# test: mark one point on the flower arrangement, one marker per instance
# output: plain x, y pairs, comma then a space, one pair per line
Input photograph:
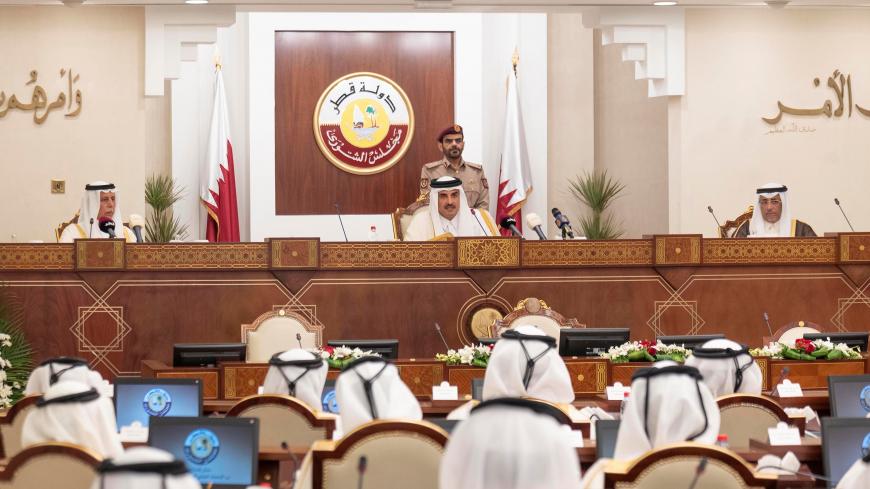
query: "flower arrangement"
338, 357
474, 355
808, 350
15, 357
645, 351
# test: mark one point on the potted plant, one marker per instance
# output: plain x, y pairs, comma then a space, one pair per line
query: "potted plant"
597, 191
162, 226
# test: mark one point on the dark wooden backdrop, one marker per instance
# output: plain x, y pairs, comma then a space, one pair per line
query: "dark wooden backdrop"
305, 64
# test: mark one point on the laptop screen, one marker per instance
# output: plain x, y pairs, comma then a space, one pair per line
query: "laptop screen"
844, 440
605, 437
218, 451
140, 399
849, 396
327, 399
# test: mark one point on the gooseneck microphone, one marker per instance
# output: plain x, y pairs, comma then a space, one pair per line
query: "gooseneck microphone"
91, 229
338, 212
563, 223
783, 374
286, 448
299, 339
710, 210
837, 201
441, 335
361, 471
702, 465
107, 226
474, 213
767, 322
534, 222
509, 222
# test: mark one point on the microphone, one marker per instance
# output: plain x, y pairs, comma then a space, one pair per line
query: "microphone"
767, 322
438, 329
286, 448
702, 465
361, 470
299, 339
107, 226
91, 230
563, 223
474, 213
509, 222
534, 222
710, 210
783, 374
338, 211
136, 223
837, 201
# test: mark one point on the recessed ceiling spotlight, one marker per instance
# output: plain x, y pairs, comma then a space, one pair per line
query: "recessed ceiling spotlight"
195, 2
664, 4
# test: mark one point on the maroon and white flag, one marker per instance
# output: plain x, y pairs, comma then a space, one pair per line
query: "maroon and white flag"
515, 176
218, 187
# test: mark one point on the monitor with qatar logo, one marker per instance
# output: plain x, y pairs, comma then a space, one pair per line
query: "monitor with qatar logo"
844, 440
138, 399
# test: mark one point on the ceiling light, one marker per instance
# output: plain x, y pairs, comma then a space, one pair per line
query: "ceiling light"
195, 2
664, 4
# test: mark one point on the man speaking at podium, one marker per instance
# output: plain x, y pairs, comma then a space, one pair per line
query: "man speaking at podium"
449, 215
99, 204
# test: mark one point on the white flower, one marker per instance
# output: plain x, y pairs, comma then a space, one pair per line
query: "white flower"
16, 385
5, 391
5, 337
342, 352
2, 376
324, 354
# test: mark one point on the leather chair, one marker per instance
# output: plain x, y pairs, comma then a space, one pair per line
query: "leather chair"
11, 424
676, 465
744, 416
51, 465
730, 227
535, 312
60, 227
285, 419
794, 330
406, 451
275, 331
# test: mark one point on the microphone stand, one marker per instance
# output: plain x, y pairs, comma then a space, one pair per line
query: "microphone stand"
837, 201
338, 212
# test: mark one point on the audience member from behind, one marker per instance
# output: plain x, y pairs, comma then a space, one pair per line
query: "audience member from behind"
75, 413
858, 475
297, 373
144, 468
727, 368
370, 388
510, 443
52, 370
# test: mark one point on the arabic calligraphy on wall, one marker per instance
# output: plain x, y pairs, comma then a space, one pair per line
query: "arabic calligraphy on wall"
841, 84
363, 123
39, 103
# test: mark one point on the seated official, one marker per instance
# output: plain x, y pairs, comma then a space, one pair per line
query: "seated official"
771, 216
66, 368
370, 388
75, 413
99, 203
858, 475
727, 367
449, 215
297, 373
510, 443
144, 468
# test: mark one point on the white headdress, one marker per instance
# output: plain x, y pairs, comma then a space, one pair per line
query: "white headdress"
370, 388
66, 368
509, 443
90, 209
758, 226
727, 368
858, 476
144, 468
75, 413
669, 403
298, 373
525, 363
466, 223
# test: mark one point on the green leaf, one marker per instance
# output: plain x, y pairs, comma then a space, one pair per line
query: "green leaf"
597, 191
160, 225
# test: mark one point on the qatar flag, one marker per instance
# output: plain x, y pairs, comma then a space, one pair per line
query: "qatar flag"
218, 183
515, 176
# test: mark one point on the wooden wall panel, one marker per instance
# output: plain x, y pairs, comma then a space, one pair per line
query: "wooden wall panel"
306, 63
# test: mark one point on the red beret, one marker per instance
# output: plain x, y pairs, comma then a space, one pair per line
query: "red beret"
454, 129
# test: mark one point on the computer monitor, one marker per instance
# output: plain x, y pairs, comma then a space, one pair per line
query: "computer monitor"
844, 440
849, 395
605, 437
385, 348
218, 451
589, 342
851, 339
328, 401
689, 342
445, 424
487, 341
206, 354
138, 399
477, 389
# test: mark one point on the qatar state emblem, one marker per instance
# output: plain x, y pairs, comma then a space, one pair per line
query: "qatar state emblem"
363, 123
157, 402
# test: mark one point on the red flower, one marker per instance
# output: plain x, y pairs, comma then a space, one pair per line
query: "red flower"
645, 343
805, 345
651, 351
329, 350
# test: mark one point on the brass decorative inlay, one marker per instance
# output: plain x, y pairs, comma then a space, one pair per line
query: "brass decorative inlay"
580, 377
37, 256
770, 251
387, 255
851, 253
861, 248
676, 244
488, 252
187, 256
677, 250
290, 253
100, 254
586, 253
